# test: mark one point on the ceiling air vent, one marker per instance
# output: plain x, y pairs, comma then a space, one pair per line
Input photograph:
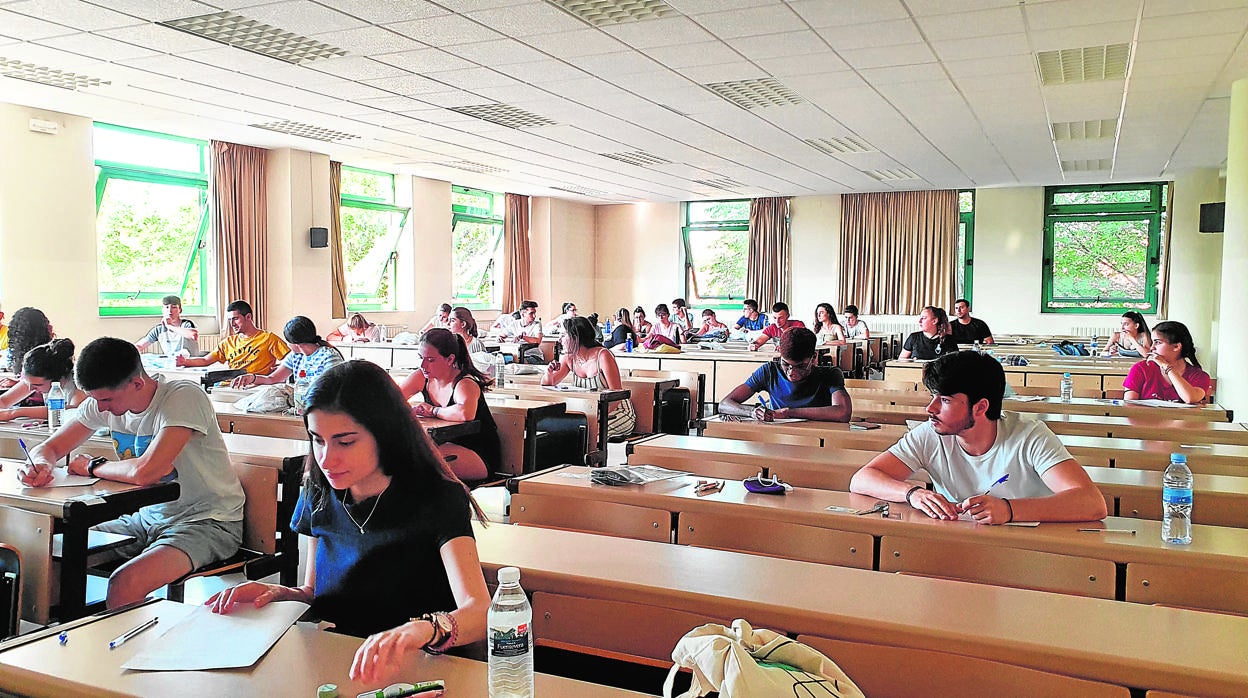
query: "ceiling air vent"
755, 94
839, 146
255, 36
639, 158
1100, 165
719, 183
470, 166
12, 68
606, 12
1083, 64
295, 128
890, 175
504, 115
1084, 130
580, 190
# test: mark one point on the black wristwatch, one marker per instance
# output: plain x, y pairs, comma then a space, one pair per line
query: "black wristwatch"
95, 463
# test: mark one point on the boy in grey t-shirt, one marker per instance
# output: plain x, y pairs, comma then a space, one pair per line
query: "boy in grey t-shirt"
162, 430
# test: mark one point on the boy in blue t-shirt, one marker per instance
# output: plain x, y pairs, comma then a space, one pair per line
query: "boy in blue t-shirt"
797, 388
752, 320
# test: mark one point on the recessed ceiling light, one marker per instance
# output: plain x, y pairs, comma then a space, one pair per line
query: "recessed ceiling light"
295, 128
755, 94
1083, 64
1084, 130
470, 166
606, 12
890, 175
12, 68
504, 115
639, 158
719, 183
580, 190
255, 36
840, 146
1086, 165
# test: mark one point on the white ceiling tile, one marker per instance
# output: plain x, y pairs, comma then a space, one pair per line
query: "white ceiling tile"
625, 63
753, 21
906, 54
821, 13
689, 55
799, 43
941, 7
724, 72
98, 47
963, 25
346, 89
543, 71
813, 64
668, 31
409, 84
921, 72
368, 41
1156, 8
470, 78
232, 58
387, 11
424, 60
901, 31
73, 13
1219, 44
697, 7
1021, 65
451, 98
1072, 13
1202, 69
507, 94
301, 17
583, 42
1194, 24
161, 10
158, 38
391, 103
1087, 35
446, 30
528, 20
356, 68
497, 52
982, 47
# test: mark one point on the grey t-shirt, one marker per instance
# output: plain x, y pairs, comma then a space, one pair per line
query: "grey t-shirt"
209, 487
164, 339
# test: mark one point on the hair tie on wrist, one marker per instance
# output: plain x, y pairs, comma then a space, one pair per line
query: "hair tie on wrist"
911, 491
1010, 507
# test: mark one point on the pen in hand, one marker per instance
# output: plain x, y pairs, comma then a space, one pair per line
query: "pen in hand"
999, 481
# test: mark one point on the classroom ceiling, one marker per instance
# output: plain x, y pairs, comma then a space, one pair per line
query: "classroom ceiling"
660, 100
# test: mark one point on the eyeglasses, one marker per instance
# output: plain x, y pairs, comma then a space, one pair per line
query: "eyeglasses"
787, 367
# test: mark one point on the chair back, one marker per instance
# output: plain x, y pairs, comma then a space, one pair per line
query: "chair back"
10, 590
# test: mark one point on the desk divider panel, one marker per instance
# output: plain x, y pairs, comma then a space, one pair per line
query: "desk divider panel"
1000, 566
1185, 587
1212, 509
31, 534
592, 516
776, 539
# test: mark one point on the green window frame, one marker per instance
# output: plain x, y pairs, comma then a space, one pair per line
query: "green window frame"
1106, 271
698, 222
115, 256
370, 290
965, 283
476, 247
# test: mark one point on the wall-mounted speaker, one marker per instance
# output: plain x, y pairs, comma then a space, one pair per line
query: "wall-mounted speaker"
1213, 217
320, 237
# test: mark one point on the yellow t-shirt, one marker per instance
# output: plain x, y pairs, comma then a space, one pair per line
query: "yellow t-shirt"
4, 337
256, 354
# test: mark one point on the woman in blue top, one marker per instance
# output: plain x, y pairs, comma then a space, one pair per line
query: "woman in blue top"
392, 555
309, 353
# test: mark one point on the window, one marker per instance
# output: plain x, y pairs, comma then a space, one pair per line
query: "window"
477, 247
371, 228
716, 237
966, 244
1101, 248
151, 220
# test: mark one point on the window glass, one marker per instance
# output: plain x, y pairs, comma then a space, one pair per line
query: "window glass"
372, 228
716, 241
477, 247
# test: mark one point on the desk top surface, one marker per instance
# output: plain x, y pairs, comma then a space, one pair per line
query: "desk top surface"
52, 500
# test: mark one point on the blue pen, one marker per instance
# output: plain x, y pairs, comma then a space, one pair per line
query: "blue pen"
998, 482
22, 443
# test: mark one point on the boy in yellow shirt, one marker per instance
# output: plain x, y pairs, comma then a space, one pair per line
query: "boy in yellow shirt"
248, 347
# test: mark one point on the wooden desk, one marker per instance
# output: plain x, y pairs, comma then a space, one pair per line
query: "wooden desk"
1085, 372
1220, 500
303, 659
29, 518
805, 433
724, 369
287, 426
1054, 405
639, 585
602, 400
646, 393
517, 422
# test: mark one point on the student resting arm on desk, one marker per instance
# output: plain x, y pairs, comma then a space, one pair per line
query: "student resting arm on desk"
592, 367
308, 353
42, 366
774, 331
1171, 371
796, 385
248, 347
356, 329
391, 556
996, 467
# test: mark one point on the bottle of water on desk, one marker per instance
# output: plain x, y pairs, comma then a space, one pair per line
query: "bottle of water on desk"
302, 385
1092, 350
500, 368
628, 344
1068, 388
509, 639
56, 406
1176, 501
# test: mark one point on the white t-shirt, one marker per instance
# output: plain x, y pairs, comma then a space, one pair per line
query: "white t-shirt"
1025, 449
855, 332
209, 487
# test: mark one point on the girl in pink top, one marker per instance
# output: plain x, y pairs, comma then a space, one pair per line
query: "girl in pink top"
1171, 371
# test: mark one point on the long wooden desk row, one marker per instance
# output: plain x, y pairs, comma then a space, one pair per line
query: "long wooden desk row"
1051, 557
391, 355
1054, 405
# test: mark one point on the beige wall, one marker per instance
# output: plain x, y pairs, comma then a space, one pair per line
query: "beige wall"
816, 226
639, 256
1196, 262
298, 276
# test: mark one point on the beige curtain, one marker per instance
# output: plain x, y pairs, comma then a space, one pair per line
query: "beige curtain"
240, 223
899, 251
515, 252
337, 267
768, 276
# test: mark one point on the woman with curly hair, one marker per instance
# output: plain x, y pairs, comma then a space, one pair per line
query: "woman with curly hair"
28, 329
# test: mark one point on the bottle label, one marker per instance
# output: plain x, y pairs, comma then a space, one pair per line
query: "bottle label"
509, 642
1176, 495
56, 403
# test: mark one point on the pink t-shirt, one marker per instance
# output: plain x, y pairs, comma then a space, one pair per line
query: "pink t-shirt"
774, 331
1145, 378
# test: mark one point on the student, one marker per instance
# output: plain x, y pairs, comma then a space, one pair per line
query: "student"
622, 331
992, 466
932, 339
163, 430
593, 367
442, 319
308, 353
454, 390
248, 347
391, 554
556, 326
711, 328
751, 320
826, 328
1134, 340
41, 367
1171, 371
174, 333
796, 386
523, 326
854, 327
28, 329
4, 333
681, 315
356, 329
664, 326
777, 329
640, 325
464, 326
966, 329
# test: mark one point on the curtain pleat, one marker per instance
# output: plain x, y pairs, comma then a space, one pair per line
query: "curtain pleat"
899, 250
1163, 271
515, 252
768, 276
338, 268
240, 223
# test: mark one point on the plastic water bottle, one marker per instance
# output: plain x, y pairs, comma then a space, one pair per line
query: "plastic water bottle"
500, 368
302, 385
978, 349
608, 327
1176, 501
1068, 388
1092, 350
628, 344
509, 639
56, 406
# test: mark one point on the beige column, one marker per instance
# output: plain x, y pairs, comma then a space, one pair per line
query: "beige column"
1233, 335
1196, 263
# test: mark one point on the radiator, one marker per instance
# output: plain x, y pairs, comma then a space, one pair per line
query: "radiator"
1090, 331
208, 342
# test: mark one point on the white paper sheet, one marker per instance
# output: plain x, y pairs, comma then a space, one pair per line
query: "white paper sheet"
1160, 403
1022, 524
195, 643
61, 477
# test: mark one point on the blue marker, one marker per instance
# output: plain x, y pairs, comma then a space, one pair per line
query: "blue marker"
998, 482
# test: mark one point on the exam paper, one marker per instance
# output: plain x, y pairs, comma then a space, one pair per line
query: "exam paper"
60, 478
1160, 403
1023, 524
195, 642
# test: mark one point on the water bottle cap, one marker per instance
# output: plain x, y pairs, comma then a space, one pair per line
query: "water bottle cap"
1065, 375
55, 385
509, 575
1178, 458
303, 373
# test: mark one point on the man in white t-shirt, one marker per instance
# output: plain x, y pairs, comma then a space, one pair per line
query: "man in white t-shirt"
991, 466
163, 430
525, 328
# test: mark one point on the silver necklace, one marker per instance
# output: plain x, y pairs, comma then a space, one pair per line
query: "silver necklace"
366, 519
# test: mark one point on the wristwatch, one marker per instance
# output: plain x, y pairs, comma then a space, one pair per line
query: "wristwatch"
95, 463
444, 631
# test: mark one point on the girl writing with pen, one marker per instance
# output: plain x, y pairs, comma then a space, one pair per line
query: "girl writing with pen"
41, 367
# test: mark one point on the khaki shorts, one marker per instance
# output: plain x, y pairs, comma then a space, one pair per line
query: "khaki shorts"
204, 542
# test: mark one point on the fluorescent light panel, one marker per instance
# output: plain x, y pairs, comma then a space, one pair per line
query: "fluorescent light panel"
13, 68
1084, 130
607, 12
639, 158
317, 133
504, 115
1086, 64
756, 94
252, 35
840, 146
